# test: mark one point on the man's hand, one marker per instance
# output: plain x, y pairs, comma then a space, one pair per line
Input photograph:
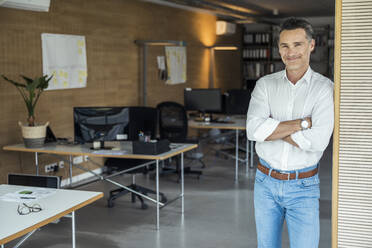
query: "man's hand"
308, 119
289, 140
286, 128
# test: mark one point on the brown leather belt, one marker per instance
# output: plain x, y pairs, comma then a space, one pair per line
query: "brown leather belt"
286, 176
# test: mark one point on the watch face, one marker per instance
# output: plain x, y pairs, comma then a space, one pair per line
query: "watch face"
304, 124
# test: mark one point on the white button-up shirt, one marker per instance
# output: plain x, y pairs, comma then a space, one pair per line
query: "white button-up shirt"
276, 99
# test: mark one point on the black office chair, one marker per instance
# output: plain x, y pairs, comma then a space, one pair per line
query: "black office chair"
114, 164
141, 119
173, 125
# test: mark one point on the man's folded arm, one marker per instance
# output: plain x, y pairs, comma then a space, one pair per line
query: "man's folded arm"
317, 137
260, 125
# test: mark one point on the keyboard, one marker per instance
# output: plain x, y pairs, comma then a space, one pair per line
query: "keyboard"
222, 121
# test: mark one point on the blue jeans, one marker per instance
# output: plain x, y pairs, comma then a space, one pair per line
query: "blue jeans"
295, 201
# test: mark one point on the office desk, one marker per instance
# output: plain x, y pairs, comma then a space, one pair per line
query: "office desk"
61, 203
239, 124
84, 150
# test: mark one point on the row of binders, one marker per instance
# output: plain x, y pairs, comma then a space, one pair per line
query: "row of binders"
256, 53
257, 38
257, 70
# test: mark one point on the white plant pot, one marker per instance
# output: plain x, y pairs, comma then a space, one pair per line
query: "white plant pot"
33, 137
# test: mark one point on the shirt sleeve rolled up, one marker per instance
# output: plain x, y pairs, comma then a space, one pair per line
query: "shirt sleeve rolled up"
259, 123
317, 137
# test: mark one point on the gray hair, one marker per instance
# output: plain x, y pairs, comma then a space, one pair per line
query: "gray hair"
295, 23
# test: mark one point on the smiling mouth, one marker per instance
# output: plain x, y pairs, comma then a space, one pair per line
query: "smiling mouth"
292, 59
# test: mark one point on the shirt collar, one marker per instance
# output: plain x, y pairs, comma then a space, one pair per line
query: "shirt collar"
306, 77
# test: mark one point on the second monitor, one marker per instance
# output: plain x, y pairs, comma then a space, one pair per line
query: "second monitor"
203, 100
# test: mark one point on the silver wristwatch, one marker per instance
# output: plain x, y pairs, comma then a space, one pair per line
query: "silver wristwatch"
304, 124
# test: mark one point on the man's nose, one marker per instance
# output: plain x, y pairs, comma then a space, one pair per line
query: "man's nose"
291, 51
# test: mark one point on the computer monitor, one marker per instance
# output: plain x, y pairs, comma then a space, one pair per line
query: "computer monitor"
203, 100
100, 123
236, 101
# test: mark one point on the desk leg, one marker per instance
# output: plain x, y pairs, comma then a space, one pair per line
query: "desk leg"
73, 228
70, 169
157, 195
182, 186
236, 154
37, 163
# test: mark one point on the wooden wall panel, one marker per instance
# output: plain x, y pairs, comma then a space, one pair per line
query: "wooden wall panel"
353, 139
114, 62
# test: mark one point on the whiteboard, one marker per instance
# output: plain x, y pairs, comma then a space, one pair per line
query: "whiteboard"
64, 57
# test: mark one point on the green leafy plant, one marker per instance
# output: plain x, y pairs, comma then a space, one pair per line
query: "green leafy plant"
31, 91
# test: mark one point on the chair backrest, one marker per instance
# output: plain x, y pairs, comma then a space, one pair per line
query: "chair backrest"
34, 180
172, 121
142, 119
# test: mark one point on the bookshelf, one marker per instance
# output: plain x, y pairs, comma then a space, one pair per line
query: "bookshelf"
258, 57
261, 54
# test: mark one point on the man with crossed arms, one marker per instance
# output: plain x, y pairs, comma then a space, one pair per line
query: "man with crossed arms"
290, 116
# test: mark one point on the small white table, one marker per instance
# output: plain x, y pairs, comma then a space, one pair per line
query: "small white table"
61, 203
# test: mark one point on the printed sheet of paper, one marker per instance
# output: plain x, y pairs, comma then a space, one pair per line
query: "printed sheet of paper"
28, 195
176, 64
64, 57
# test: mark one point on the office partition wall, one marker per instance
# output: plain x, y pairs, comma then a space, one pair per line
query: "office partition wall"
352, 159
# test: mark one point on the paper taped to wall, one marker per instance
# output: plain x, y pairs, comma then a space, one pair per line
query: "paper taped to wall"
176, 64
64, 57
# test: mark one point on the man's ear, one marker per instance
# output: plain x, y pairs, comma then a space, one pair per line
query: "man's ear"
312, 45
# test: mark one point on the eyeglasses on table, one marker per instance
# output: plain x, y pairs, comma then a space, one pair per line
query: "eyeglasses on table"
24, 209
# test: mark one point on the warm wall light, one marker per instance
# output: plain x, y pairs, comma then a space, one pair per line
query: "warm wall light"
204, 28
225, 48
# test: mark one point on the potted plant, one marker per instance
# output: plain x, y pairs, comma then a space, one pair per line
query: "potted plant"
33, 134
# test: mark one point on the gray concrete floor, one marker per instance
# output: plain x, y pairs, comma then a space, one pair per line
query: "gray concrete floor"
218, 213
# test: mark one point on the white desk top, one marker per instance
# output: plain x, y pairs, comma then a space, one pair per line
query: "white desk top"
239, 123
79, 150
63, 202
